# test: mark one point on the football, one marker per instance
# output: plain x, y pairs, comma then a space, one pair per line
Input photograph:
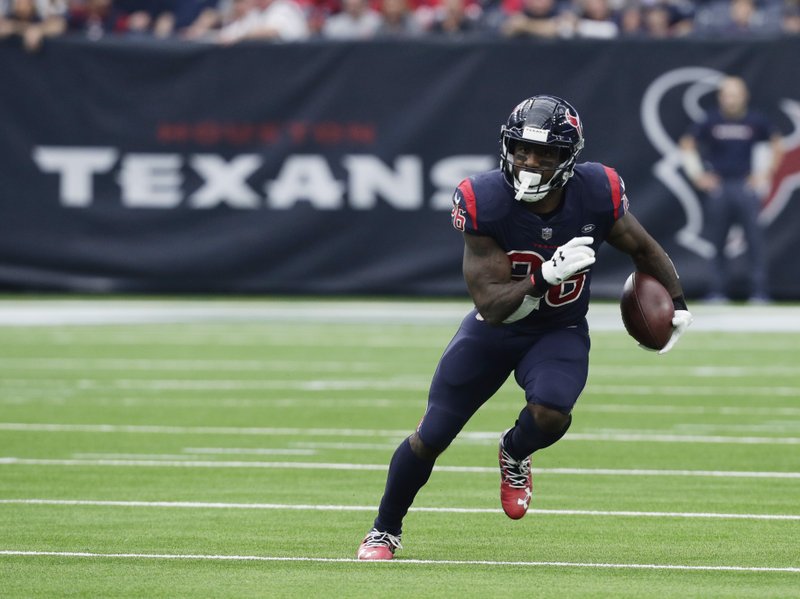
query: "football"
647, 310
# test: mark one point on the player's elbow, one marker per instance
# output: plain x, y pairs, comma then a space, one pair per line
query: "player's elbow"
492, 319
488, 315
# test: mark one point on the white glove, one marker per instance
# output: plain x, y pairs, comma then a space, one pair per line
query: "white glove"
572, 257
680, 322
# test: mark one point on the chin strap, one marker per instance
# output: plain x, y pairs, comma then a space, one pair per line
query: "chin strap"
526, 180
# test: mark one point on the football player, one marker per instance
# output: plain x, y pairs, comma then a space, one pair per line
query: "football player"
531, 229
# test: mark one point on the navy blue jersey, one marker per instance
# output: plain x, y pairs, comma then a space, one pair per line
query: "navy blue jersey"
594, 198
726, 145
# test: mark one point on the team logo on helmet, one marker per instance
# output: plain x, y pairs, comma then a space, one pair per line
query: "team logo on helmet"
574, 120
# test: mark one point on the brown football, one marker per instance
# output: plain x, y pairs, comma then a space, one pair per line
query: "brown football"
647, 310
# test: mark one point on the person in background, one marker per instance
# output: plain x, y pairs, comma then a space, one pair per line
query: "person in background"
656, 21
790, 17
594, 19
398, 20
273, 20
195, 19
455, 19
148, 18
537, 18
356, 21
735, 19
31, 21
718, 160
96, 18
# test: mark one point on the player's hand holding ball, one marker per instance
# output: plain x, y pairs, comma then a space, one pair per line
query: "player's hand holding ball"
570, 258
650, 315
680, 322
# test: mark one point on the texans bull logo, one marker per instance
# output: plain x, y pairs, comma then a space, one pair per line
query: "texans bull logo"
697, 83
574, 120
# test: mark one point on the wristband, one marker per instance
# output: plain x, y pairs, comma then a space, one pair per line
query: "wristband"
679, 303
540, 285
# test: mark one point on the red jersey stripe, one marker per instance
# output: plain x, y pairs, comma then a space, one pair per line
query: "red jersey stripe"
469, 200
616, 193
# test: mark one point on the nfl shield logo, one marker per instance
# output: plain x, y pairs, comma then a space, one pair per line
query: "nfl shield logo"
547, 233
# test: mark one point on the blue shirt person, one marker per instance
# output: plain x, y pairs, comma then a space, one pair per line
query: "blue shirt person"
718, 159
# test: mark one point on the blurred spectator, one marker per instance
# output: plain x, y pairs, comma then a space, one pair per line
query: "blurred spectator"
96, 18
536, 18
454, 18
682, 14
275, 20
734, 18
357, 21
657, 19
195, 19
148, 17
398, 20
31, 21
631, 19
790, 17
209, 25
594, 19
318, 12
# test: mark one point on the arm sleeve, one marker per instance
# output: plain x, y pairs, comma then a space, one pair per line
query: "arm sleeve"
616, 188
464, 215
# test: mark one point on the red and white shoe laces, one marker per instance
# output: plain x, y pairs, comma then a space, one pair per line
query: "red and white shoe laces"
378, 545
516, 484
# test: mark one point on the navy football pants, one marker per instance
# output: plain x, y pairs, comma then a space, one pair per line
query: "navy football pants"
551, 367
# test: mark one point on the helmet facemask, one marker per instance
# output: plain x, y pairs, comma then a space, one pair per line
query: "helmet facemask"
531, 183
552, 126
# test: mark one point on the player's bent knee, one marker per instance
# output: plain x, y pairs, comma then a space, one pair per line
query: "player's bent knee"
547, 419
421, 450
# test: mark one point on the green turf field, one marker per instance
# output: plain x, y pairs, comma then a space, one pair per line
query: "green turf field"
245, 458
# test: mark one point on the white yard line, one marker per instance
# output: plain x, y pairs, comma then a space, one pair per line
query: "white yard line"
372, 508
395, 562
199, 385
777, 344
492, 436
191, 453
201, 430
171, 364
14, 461
237, 365
668, 438
695, 409
362, 384
588, 403
602, 316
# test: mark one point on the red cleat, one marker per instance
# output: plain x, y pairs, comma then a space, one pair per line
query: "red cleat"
516, 486
378, 545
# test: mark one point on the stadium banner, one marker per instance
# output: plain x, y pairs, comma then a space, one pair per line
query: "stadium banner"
326, 168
